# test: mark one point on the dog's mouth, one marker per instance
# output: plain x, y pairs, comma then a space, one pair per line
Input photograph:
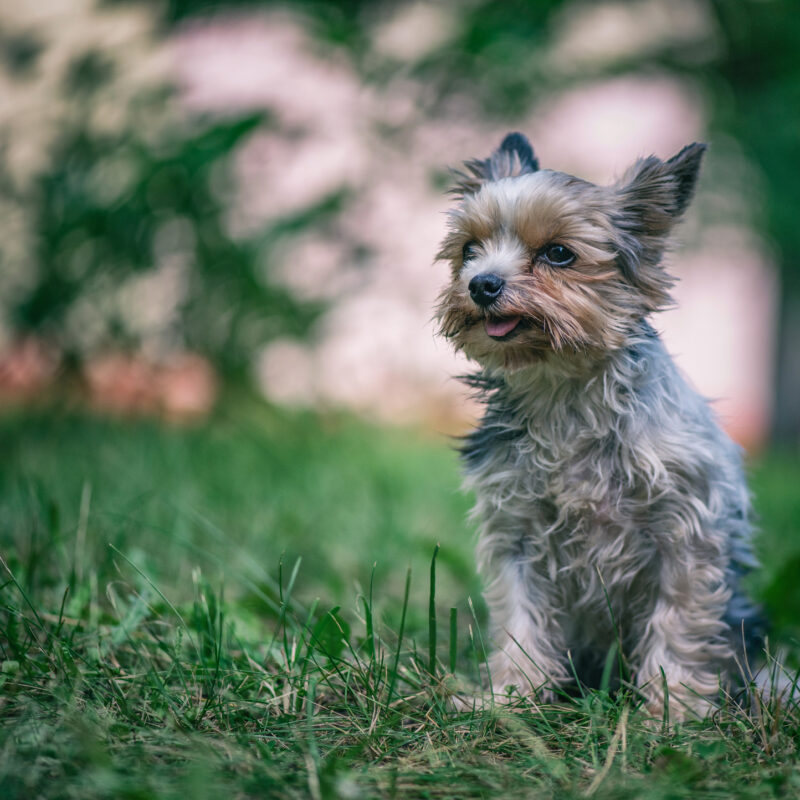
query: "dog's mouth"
502, 328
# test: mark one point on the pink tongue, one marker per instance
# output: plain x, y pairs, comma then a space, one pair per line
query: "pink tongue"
500, 327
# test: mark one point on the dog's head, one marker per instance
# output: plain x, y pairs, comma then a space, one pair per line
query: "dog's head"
545, 263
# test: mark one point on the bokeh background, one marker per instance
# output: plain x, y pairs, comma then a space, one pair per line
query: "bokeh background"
216, 212
193, 193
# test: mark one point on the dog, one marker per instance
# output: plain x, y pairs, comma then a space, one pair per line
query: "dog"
614, 515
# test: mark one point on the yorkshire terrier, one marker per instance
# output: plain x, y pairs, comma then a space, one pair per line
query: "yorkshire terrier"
614, 514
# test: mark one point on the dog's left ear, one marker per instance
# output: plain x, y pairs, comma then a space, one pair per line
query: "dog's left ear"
514, 157
650, 198
653, 194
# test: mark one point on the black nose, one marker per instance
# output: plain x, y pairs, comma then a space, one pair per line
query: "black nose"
485, 288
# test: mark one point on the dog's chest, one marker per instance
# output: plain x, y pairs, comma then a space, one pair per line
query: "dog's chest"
561, 492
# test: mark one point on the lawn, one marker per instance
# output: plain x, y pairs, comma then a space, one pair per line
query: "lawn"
246, 609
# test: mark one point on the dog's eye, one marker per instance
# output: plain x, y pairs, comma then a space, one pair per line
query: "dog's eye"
469, 250
558, 255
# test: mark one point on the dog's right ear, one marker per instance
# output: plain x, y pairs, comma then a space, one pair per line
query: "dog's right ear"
653, 194
650, 198
514, 157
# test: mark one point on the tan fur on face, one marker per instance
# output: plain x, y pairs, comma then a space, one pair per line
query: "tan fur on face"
585, 308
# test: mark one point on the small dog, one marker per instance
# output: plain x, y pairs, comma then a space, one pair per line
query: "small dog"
613, 509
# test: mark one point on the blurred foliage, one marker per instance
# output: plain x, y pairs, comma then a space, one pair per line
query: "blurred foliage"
495, 54
168, 209
758, 101
746, 63
126, 238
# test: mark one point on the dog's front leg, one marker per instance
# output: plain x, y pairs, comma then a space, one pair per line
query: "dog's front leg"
683, 640
531, 653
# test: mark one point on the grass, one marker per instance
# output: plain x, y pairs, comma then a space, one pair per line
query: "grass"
258, 608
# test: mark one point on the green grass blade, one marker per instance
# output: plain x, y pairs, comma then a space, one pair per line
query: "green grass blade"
158, 592
369, 621
611, 657
483, 646
453, 639
393, 677
432, 616
665, 716
24, 595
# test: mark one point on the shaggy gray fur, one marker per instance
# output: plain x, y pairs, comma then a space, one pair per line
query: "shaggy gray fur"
588, 493
612, 508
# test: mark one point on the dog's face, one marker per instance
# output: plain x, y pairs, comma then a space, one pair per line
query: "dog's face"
544, 263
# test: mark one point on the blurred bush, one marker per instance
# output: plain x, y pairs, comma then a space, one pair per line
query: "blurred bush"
113, 229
